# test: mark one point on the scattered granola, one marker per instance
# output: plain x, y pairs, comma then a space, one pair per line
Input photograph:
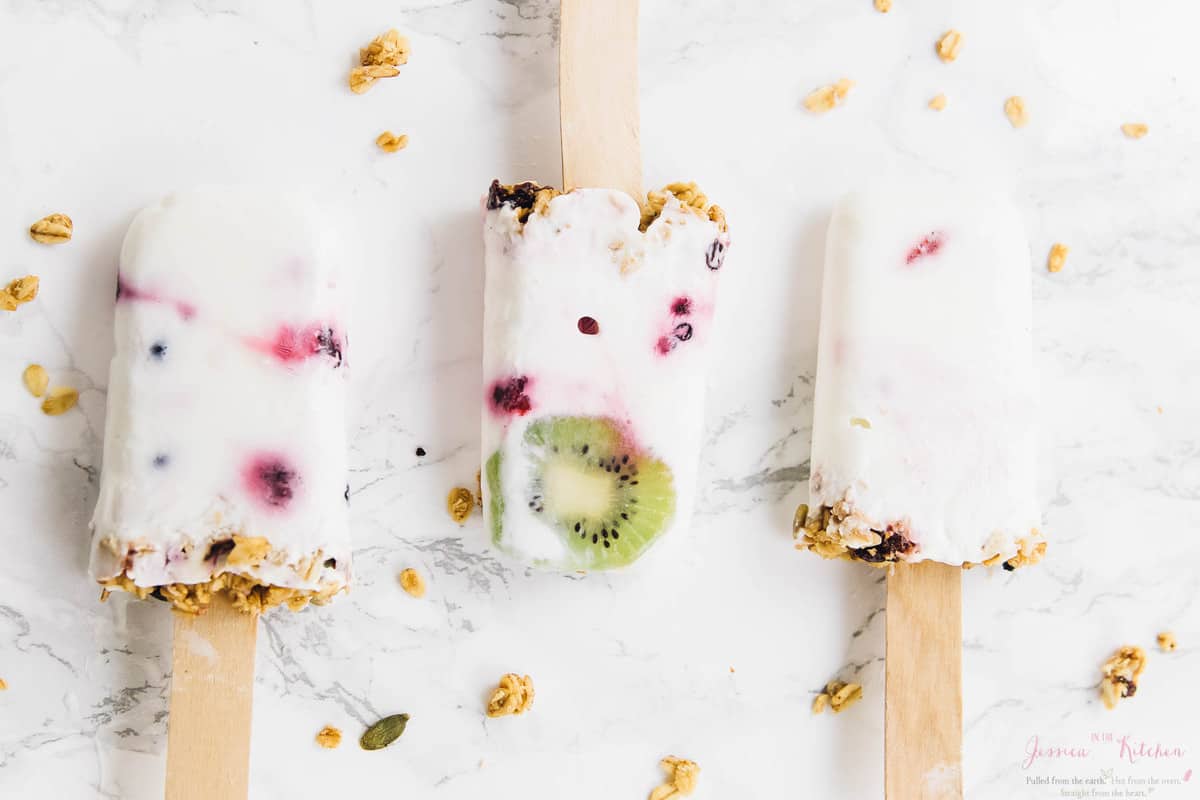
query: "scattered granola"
18, 292
1121, 673
514, 695
363, 78
1014, 109
949, 45
938, 103
883, 6
682, 775
1058, 257
60, 400
828, 97
36, 380
3, 685
1135, 130
412, 582
1166, 642
387, 49
838, 695
860, 422
460, 503
52, 229
384, 732
389, 142
329, 737
479, 488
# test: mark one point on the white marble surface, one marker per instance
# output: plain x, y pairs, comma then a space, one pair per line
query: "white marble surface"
713, 647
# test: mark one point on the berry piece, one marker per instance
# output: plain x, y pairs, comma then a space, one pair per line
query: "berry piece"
714, 257
420, 452
509, 397
588, 326
926, 247
683, 331
682, 306
158, 350
271, 480
161, 461
665, 344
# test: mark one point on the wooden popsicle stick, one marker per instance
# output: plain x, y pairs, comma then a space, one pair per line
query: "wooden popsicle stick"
598, 95
923, 706
212, 688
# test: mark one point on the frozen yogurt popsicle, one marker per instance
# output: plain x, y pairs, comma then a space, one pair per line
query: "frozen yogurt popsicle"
597, 321
224, 453
923, 431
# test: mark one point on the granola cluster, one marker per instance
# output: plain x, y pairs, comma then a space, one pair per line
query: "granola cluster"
18, 292
380, 59
841, 531
329, 737
514, 695
682, 776
412, 582
828, 97
52, 229
1121, 673
838, 696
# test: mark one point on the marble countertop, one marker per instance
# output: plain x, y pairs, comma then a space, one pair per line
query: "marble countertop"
715, 645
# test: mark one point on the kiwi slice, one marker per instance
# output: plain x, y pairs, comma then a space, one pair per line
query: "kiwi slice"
605, 497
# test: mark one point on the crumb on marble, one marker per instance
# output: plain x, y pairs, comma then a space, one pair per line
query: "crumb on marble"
682, 775
938, 103
18, 292
1135, 130
412, 582
1058, 257
59, 400
460, 503
388, 49
52, 229
1121, 673
35, 379
363, 78
838, 696
3, 685
1167, 642
1017, 113
949, 45
860, 422
513, 695
826, 98
883, 6
329, 737
389, 142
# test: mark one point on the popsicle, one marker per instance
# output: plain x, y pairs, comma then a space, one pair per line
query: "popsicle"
923, 455
923, 443
223, 490
597, 324
224, 454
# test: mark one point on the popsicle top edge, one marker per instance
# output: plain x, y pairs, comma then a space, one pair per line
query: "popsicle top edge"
529, 198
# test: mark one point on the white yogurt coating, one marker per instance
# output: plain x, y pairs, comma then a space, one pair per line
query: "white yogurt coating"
586, 257
925, 392
226, 396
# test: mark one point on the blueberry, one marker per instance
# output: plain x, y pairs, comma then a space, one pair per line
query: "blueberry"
158, 350
420, 452
714, 257
161, 461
